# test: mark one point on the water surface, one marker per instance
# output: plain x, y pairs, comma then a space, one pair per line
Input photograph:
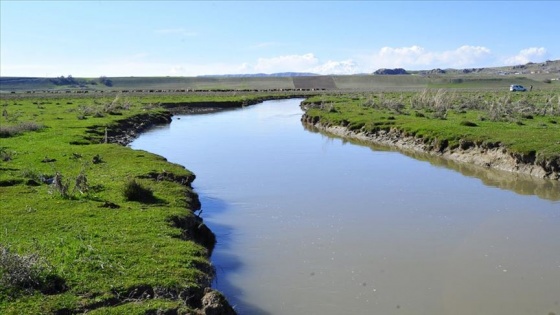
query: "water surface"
309, 224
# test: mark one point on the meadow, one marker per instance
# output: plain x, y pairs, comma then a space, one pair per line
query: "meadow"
89, 225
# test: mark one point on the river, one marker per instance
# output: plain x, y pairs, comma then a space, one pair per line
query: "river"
310, 224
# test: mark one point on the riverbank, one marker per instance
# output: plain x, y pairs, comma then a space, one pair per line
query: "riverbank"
524, 144
481, 155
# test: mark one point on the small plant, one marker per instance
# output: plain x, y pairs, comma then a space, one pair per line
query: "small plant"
58, 185
81, 184
441, 113
96, 159
48, 160
5, 154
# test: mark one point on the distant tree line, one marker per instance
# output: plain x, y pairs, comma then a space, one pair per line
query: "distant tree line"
69, 80
105, 81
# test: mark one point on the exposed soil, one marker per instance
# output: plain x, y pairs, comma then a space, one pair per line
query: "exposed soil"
126, 130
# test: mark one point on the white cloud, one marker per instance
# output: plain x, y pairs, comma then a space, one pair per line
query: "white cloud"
533, 54
336, 67
300, 63
177, 70
464, 56
416, 57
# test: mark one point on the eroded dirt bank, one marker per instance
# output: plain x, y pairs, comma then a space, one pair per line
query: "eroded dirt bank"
493, 156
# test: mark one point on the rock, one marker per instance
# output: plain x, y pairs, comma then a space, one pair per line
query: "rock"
214, 303
390, 71
110, 205
437, 71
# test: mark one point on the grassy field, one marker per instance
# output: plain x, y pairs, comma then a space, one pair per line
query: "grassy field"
95, 227
525, 123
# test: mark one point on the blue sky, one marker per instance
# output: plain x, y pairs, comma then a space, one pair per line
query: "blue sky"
189, 38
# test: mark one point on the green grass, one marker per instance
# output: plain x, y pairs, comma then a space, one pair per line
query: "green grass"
525, 123
106, 247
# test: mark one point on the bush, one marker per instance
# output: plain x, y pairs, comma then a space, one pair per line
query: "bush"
105, 81
27, 273
10, 131
134, 191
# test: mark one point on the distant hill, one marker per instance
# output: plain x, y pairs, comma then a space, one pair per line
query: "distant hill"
547, 67
261, 75
543, 75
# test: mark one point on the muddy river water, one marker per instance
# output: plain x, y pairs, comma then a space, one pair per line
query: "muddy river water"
310, 224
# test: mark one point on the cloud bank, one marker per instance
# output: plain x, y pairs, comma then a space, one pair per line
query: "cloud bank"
416, 57
534, 54
411, 58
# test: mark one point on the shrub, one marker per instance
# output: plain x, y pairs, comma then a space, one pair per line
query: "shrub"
105, 81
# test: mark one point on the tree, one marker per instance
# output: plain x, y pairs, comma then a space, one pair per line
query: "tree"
105, 81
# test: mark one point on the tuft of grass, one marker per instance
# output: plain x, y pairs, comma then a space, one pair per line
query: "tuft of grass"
134, 191
468, 123
6, 155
